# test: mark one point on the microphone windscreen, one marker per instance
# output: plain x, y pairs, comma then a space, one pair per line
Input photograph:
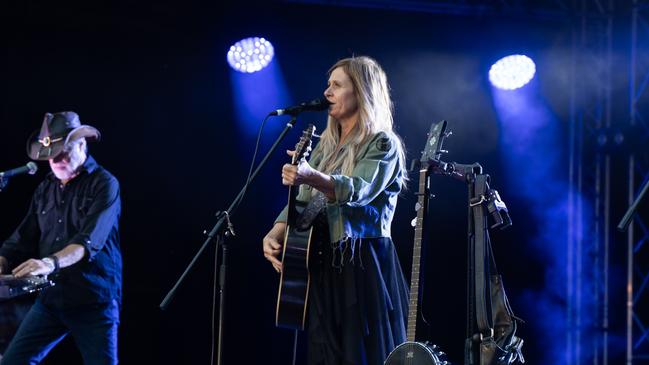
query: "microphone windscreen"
32, 167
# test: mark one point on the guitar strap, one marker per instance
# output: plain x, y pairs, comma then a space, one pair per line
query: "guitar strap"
501, 346
317, 203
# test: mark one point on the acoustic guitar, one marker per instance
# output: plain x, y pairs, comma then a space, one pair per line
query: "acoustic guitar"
294, 282
412, 352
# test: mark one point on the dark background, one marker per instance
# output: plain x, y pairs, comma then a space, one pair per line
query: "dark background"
154, 79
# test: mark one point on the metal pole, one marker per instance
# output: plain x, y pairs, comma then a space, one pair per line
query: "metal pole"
632, 110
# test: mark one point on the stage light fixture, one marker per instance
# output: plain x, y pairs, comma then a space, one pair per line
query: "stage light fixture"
512, 72
250, 54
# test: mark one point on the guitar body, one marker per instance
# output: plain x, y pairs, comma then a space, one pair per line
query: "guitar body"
415, 353
295, 279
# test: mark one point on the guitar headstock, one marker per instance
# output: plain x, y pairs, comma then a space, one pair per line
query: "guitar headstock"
303, 147
433, 148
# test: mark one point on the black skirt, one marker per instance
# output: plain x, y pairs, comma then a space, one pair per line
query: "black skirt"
358, 301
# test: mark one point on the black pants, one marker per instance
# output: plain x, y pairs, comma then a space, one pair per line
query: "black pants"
93, 327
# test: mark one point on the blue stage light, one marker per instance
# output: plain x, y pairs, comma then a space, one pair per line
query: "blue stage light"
251, 54
512, 72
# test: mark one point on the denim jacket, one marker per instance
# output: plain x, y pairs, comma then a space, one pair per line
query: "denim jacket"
365, 201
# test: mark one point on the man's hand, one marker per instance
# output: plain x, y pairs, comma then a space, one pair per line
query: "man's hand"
32, 267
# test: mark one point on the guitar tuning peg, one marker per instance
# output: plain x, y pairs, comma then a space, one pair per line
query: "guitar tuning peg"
443, 151
448, 134
413, 222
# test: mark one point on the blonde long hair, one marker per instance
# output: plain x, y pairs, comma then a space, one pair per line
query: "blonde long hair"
375, 115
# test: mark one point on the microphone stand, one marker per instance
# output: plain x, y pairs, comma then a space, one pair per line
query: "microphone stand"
221, 233
624, 223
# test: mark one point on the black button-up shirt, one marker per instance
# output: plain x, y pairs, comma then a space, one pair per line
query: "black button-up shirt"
84, 211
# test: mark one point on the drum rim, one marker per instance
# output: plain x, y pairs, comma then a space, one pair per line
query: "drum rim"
426, 347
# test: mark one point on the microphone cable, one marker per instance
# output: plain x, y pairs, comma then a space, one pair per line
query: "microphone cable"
252, 162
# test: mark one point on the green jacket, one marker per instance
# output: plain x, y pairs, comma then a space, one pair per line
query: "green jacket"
366, 200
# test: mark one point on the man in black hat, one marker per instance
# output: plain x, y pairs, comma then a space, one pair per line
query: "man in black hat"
70, 234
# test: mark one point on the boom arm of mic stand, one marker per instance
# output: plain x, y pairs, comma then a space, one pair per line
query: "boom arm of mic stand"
217, 227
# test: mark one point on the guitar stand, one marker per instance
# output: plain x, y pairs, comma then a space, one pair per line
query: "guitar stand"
491, 325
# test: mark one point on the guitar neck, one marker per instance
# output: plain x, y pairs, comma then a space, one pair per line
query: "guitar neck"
421, 207
292, 195
301, 151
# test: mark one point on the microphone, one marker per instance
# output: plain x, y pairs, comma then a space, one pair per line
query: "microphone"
311, 106
30, 168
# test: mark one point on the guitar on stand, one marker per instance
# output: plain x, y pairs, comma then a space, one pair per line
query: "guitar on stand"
294, 282
412, 352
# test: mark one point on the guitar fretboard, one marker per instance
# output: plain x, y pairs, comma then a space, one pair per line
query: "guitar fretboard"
302, 149
416, 254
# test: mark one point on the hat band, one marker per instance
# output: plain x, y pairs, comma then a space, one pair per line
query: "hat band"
48, 141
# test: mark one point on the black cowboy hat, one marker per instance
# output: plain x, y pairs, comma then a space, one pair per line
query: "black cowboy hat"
57, 131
